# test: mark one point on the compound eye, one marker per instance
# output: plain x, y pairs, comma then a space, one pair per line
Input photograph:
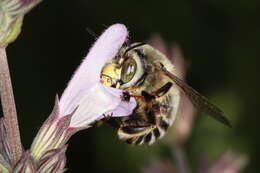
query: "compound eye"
128, 70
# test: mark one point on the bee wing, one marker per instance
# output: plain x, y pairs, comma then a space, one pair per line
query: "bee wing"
198, 100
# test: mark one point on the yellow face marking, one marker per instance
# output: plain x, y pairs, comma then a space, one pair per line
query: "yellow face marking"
106, 80
111, 74
118, 85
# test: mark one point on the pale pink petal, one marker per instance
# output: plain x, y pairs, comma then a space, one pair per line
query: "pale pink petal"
88, 73
124, 108
93, 105
101, 101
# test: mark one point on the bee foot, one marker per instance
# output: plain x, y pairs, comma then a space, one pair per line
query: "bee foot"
107, 117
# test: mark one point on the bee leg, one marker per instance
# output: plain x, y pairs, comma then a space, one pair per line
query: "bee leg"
163, 90
147, 97
126, 96
105, 119
116, 123
158, 93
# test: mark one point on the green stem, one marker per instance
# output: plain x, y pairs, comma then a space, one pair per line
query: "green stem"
9, 110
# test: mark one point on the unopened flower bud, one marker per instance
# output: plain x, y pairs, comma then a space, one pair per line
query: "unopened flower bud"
11, 17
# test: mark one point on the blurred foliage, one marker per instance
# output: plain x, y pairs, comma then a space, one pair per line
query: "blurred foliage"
220, 39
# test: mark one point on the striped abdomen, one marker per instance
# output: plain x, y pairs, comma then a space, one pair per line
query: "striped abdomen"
150, 126
143, 135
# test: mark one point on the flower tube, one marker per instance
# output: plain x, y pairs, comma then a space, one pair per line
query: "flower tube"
85, 99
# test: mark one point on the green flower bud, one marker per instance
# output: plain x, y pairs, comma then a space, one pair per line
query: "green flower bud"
11, 18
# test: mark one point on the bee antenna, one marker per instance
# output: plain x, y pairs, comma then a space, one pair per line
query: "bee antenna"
133, 47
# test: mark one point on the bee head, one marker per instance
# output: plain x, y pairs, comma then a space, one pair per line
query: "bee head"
125, 69
111, 75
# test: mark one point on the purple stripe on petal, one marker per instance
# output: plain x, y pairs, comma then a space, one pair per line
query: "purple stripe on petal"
88, 73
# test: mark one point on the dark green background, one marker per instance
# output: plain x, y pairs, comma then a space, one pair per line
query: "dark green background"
220, 39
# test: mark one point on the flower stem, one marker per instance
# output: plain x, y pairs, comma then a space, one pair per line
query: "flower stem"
9, 110
181, 159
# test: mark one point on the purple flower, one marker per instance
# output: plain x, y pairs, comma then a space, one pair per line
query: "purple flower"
85, 94
85, 99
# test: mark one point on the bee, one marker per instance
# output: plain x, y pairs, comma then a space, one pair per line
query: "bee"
146, 74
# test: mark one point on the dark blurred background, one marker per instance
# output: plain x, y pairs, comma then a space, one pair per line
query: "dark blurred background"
220, 40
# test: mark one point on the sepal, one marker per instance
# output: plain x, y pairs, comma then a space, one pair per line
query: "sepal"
54, 133
5, 167
53, 161
26, 164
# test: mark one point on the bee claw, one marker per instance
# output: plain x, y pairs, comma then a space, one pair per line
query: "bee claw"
107, 117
